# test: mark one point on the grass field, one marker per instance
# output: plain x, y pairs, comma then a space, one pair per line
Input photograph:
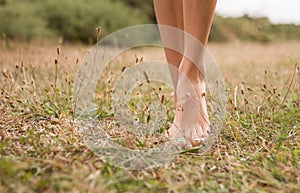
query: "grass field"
258, 149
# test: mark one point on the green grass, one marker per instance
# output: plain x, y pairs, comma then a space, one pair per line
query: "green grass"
258, 149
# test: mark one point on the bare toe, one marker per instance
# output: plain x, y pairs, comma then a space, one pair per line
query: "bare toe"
197, 141
171, 132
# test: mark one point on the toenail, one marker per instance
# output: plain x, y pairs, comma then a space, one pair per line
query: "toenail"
197, 142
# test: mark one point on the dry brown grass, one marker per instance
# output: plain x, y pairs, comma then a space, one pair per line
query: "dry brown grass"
257, 151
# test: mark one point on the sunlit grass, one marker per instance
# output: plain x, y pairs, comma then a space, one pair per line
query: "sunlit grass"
258, 149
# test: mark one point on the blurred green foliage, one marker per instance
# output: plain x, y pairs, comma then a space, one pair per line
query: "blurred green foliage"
3, 2
70, 19
77, 20
145, 6
20, 20
252, 29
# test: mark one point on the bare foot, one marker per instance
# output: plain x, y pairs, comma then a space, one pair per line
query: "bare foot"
176, 122
191, 118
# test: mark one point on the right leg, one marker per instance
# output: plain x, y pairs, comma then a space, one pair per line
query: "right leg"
170, 13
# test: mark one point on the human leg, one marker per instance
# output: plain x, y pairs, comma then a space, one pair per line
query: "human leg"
170, 13
198, 15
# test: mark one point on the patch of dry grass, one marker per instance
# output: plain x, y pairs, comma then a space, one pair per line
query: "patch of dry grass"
258, 149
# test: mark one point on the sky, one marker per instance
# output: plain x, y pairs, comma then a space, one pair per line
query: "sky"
278, 11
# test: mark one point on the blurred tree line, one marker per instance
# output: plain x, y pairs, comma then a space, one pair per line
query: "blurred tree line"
77, 20
70, 19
